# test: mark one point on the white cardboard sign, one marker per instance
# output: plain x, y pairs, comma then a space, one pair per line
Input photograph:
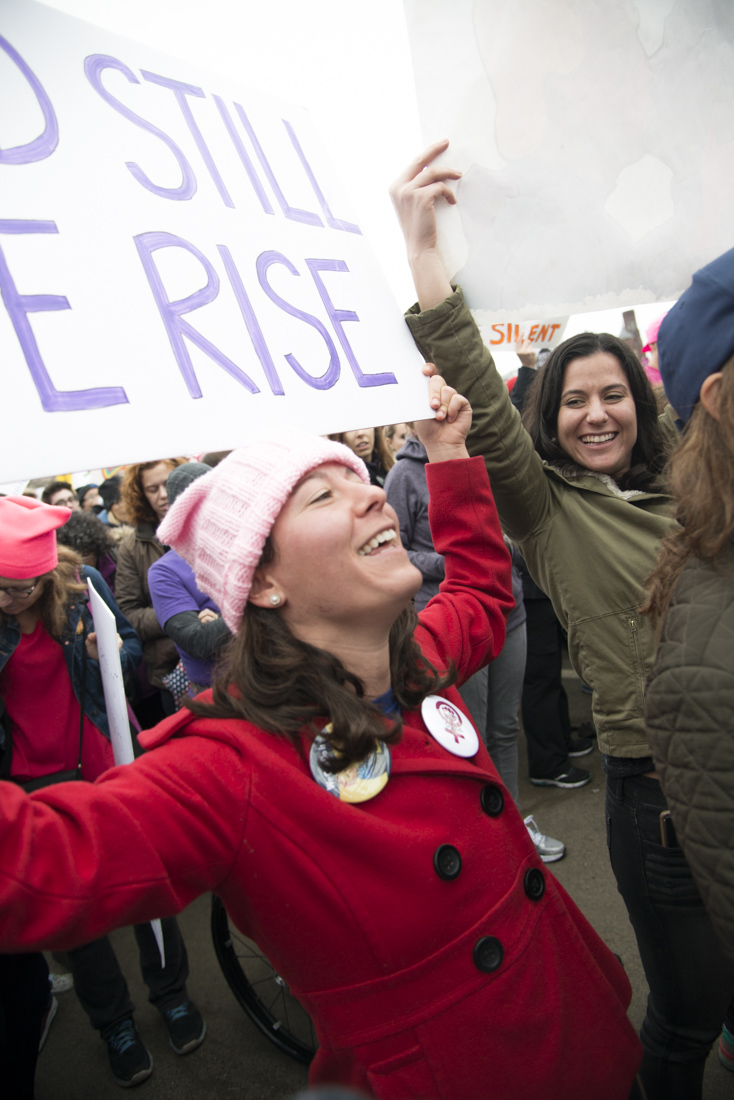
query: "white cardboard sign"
113, 683
595, 142
113, 686
180, 268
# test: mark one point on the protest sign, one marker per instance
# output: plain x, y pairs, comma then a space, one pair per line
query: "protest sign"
504, 335
113, 683
113, 686
180, 268
595, 142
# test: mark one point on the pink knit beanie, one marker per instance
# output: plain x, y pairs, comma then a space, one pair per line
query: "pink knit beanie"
220, 523
28, 536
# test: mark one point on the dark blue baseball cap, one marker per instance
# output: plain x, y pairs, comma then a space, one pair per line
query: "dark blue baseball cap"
697, 336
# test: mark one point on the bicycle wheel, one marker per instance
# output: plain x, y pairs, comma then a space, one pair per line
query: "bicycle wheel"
260, 990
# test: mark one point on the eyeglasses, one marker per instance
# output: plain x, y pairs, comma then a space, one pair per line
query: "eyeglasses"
20, 593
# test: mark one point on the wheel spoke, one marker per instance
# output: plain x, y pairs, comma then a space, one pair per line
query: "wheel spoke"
260, 990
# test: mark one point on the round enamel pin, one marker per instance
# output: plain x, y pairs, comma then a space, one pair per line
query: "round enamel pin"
449, 726
357, 783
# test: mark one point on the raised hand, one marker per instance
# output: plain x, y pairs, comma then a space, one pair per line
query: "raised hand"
444, 437
526, 353
414, 194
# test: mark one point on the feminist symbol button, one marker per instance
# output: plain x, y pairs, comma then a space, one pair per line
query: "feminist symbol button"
449, 726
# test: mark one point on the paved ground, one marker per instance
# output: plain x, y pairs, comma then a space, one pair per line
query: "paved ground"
235, 1061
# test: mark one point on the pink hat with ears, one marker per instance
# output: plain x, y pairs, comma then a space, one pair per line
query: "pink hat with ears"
220, 523
652, 332
27, 536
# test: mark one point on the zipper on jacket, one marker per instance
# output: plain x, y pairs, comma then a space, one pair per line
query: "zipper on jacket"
639, 664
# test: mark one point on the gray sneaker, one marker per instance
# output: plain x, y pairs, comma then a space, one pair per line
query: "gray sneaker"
568, 779
547, 848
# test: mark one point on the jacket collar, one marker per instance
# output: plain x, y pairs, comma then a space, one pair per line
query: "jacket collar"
571, 473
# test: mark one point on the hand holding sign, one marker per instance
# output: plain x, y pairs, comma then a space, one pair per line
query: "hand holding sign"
91, 644
414, 194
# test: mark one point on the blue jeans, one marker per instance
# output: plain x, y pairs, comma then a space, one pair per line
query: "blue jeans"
688, 975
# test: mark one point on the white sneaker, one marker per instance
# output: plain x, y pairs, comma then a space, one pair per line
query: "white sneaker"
547, 848
61, 983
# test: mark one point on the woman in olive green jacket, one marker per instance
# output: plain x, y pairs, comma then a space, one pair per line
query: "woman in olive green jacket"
581, 495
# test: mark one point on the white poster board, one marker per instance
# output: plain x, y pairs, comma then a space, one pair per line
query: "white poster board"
113, 683
180, 268
113, 686
595, 141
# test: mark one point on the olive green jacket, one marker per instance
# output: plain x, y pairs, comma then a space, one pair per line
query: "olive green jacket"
690, 716
588, 545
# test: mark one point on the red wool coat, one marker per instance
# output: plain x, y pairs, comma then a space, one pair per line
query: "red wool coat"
421, 987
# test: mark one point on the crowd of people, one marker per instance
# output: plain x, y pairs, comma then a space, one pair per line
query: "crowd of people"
327, 646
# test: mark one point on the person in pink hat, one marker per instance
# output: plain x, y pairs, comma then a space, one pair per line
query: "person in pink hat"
651, 351
365, 844
56, 730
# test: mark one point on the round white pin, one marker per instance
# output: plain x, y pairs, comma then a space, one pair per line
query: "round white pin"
449, 726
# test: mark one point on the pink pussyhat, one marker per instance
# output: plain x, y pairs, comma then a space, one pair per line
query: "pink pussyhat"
220, 523
28, 537
653, 373
652, 331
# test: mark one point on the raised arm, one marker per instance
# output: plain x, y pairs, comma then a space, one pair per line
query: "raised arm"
447, 335
465, 623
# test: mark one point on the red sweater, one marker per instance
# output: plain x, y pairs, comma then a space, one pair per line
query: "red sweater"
488, 984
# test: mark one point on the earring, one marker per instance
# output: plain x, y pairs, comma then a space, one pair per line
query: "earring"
275, 600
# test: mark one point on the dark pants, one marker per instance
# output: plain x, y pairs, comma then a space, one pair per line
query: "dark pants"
24, 997
690, 981
101, 987
544, 701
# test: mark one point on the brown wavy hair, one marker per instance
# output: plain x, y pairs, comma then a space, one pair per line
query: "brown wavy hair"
61, 586
380, 452
135, 500
700, 475
282, 684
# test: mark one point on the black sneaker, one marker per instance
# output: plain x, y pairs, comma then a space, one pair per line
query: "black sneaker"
569, 778
130, 1062
586, 729
580, 746
186, 1027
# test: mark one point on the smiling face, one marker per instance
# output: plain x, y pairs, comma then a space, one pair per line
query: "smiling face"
597, 419
339, 562
361, 441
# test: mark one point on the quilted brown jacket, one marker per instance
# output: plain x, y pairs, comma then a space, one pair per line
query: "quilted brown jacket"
137, 553
690, 715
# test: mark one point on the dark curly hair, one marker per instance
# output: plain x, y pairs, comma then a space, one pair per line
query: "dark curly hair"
86, 534
540, 416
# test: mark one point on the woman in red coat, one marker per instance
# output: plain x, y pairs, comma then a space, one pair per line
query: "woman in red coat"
333, 791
